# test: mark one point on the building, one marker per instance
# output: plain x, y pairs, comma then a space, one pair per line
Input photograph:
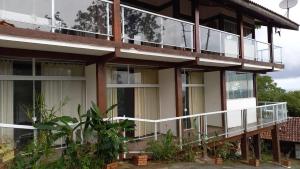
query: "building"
289, 137
156, 59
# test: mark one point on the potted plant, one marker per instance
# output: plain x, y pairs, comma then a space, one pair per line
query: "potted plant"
253, 161
287, 162
140, 159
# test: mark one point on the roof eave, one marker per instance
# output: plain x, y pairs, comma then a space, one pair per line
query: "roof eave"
263, 13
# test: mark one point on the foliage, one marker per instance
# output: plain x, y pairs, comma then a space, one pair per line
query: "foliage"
268, 90
224, 151
109, 143
164, 148
100, 143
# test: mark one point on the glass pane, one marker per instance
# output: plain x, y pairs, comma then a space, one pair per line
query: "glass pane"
239, 85
117, 75
33, 14
145, 76
177, 33
141, 26
196, 78
230, 45
249, 48
88, 15
22, 68
263, 52
74, 93
61, 69
6, 67
210, 40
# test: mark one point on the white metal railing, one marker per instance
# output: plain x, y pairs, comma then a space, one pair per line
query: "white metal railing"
140, 26
202, 125
76, 17
256, 50
217, 41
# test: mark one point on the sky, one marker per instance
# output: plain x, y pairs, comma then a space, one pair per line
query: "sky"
289, 78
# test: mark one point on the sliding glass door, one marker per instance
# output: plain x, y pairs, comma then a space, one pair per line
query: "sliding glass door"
135, 91
22, 83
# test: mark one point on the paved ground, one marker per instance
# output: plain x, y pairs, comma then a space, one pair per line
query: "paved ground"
197, 165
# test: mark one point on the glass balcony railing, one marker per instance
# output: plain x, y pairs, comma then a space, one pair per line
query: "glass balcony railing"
220, 42
93, 18
256, 50
76, 17
277, 50
142, 27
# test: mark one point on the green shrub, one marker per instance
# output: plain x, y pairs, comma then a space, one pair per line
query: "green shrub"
164, 149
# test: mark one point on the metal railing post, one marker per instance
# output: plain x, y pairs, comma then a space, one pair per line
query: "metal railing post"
205, 126
245, 119
225, 124
53, 20
220, 42
261, 116
162, 31
123, 23
255, 51
192, 38
107, 20
199, 129
155, 130
180, 133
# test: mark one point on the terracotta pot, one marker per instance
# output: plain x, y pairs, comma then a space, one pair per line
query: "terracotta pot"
254, 162
219, 161
112, 166
286, 163
140, 160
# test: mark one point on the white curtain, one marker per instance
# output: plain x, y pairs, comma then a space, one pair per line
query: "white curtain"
6, 101
70, 92
146, 107
112, 99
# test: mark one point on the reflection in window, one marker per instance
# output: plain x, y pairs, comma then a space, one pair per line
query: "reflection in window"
239, 85
193, 95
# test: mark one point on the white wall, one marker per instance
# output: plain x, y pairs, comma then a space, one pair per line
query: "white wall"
212, 95
234, 118
91, 90
167, 99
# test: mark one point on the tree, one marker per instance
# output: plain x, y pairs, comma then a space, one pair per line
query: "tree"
267, 90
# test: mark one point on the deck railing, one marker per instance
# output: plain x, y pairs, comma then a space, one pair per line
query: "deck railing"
94, 19
216, 41
256, 50
196, 127
140, 26
75, 17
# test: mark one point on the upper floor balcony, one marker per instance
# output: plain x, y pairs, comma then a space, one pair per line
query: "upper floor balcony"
94, 19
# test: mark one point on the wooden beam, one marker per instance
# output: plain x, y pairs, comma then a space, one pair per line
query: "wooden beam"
197, 41
101, 86
257, 146
276, 144
240, 29
178, 92
270, 40
245, 147
223, 95
176, 8
148, 6
116, 25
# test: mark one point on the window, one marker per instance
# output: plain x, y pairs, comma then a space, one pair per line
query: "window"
135, 90
239, 85
193, 95
21, 82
